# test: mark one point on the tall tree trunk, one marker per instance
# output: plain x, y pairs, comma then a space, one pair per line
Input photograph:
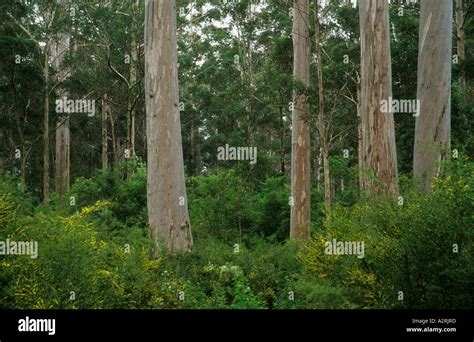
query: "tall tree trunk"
300, 139
131, 110
63, 136
113, 132
282, 142
320, 164
46, 125
105, 158
460, 41
433, 125
23, 167
360, 154
63, 144
21, 136
323, 134
166, 191
378, 132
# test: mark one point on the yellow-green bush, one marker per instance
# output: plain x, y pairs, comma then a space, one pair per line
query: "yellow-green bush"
71, 257
422, 248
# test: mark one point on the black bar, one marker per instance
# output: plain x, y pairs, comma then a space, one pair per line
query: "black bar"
295, 325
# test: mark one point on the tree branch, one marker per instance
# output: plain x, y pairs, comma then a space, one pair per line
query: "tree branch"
115, 70
23, 28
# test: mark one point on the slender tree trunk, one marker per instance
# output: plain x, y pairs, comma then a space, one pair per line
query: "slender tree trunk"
23, 167
166, 192
63, 143
320, 164
21, 136
360, 155
323, 134
433, 125
131, 110
63, 135
300, 139
114, 137
282, 142
46, 125
105, 158
378, 132
460, 41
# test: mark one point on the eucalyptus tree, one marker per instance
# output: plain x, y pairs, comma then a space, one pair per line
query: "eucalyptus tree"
433, 124
300, 142
379, 157
166, 192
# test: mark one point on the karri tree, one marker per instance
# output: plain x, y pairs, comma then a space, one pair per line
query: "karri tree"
300, 139
166, 192
379, 159
433, 124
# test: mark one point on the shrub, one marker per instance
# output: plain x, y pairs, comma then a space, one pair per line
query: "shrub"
218, 205
409, 248
71, 257
309, 292
272, 208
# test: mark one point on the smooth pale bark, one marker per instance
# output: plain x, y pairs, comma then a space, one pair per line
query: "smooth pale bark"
63, 146
166, 192
300, 138
323, 133
379, 160
433, 125
105, 158
63, 135
461, 50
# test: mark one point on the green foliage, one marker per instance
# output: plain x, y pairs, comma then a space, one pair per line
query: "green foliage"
217, 204
409, 247
71, 257
273, 209
236, 81
24, 202
309, 292
224, 205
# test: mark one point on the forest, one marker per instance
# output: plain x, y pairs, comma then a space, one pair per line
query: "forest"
236, 154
